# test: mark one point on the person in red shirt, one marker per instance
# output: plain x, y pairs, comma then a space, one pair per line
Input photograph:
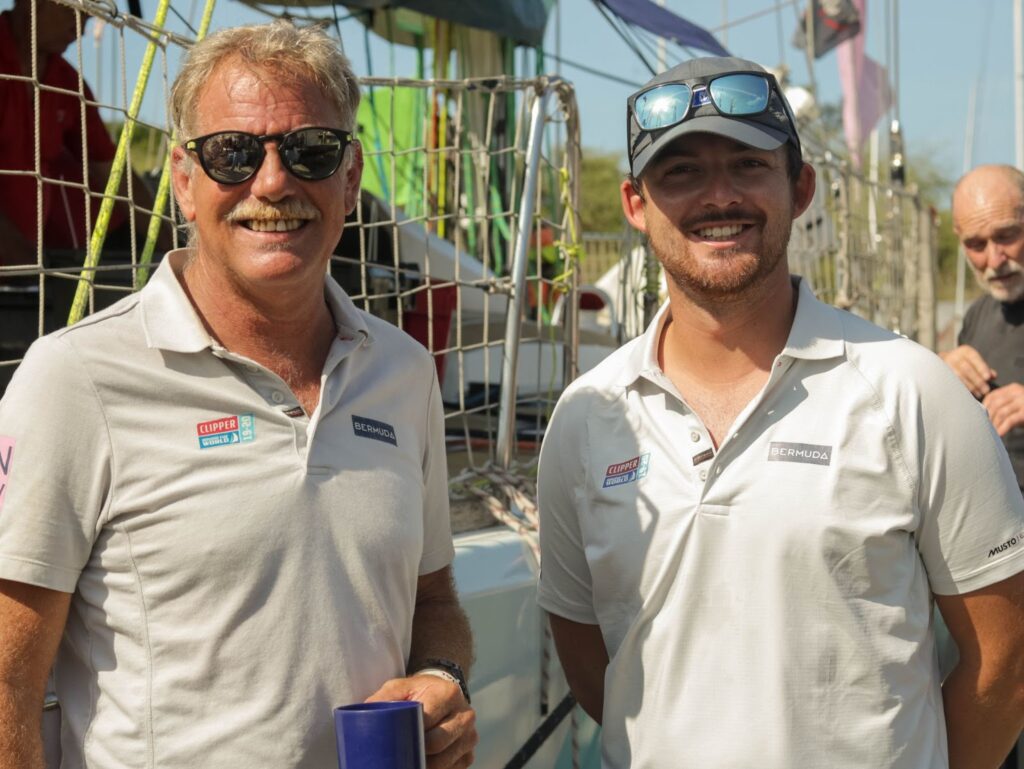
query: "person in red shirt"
60, 137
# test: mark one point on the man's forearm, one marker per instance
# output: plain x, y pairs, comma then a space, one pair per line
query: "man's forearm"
982, 721
21, 743
440, 629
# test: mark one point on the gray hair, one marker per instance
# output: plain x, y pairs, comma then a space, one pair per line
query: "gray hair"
292, 54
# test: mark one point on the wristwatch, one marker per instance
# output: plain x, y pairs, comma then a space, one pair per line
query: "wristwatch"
447, 669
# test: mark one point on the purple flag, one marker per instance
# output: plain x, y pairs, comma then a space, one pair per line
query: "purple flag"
646, 15
865, 84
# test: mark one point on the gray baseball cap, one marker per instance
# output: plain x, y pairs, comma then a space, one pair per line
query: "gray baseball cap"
767, 130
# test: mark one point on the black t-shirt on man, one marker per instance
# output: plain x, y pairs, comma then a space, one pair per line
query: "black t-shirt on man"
996, 331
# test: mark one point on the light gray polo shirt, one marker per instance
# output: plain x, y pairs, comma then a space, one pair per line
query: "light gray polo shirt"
238, 569
770, 604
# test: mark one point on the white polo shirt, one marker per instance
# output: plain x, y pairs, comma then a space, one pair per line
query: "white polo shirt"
770, 604
238, 569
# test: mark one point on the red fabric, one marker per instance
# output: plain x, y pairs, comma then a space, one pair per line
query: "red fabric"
60, 149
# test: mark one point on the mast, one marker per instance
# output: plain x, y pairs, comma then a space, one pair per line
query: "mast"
961, 262
662, 52
558, 37
1018, 69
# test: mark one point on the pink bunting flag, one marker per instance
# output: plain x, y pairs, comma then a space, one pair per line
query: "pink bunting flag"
865, 84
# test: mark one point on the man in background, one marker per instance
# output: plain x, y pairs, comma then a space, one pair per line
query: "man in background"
60, 134
988, 218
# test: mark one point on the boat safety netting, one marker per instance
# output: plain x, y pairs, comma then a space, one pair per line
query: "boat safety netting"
467, 217
466, 235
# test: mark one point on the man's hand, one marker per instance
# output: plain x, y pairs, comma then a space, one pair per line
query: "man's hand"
971, 368
448, 720
1005, 407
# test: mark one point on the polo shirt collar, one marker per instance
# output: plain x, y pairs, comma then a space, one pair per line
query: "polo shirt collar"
816, 334
642, 360
171, 323
169, 320
348, 320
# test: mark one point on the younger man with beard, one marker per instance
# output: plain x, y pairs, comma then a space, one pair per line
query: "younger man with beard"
748, 511
988, 217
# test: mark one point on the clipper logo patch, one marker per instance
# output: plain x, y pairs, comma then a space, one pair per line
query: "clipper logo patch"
807, 453
223, 431
626, 472
371, 428
6, 456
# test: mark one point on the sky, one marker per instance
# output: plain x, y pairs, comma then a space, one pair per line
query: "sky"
945, 48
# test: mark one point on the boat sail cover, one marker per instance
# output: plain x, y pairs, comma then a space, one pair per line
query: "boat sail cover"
655, 19
520, 20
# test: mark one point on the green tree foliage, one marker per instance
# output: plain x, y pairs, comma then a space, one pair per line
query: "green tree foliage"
935, 185
148, 146
601, 173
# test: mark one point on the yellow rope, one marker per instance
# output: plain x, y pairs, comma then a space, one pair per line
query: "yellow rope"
164, 188
99, 233
572, 248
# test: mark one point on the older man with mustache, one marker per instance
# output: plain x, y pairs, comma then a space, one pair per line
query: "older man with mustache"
225, 497
988, 217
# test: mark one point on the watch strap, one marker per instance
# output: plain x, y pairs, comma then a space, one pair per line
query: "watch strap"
446, 669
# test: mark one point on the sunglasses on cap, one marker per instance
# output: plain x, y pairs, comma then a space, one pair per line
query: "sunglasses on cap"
737, 94
232, 157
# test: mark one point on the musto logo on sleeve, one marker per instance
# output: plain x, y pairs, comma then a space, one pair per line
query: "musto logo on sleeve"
627, 472
6, 455
239, 428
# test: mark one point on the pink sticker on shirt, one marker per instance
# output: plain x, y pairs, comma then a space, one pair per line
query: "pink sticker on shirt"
6, 454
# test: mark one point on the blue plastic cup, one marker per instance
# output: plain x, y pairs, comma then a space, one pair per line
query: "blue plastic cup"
380, 735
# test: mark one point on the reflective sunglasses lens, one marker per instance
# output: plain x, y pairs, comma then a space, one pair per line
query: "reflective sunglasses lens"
312, 153
662, 106
231, 157
740, 94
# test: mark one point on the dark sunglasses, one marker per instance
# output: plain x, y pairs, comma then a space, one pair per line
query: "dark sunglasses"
737, 94
232, 157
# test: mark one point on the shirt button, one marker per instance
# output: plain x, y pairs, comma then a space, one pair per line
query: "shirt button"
277, 396
695, 436
703, 475
253, 368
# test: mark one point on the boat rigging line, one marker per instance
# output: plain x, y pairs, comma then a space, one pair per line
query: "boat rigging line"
626, 39
590, 70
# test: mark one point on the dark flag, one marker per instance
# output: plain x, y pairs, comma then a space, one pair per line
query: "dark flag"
834, 22
662, 22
